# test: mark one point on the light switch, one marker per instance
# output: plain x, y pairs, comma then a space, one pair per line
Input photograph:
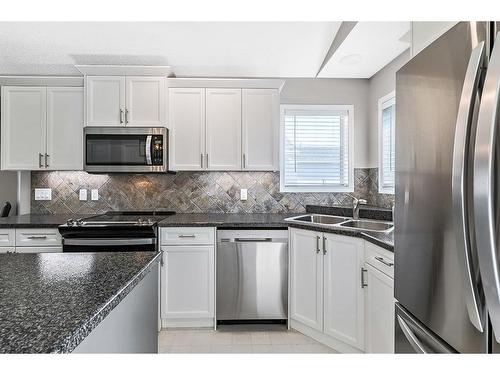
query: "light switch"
83, 194
43, 194
244, 194
94, 194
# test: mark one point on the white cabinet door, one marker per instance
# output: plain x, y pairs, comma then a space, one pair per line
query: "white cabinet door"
189, 288
343, 293
64, 128
105, 101
187, 128
379, 303
145, 101
260, 129
23, 129
306, 278
223, 111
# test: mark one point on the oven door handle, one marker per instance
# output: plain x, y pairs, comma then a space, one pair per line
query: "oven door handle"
148, 150
108, 241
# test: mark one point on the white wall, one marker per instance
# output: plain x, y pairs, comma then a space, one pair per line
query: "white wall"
8, 189
380, 85
335, 91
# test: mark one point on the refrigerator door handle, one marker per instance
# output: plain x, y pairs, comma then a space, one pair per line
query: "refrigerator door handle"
411, 337
484, 189
461, 144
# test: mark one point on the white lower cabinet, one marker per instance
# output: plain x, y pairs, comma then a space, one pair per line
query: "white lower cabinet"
188, 277
379, 300
30, 240
326, 295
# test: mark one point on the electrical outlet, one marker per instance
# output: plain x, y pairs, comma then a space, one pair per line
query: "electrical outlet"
94, 194
244, 194
43, 194
83, 194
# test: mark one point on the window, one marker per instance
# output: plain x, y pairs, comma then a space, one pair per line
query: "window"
317, 148
387, 143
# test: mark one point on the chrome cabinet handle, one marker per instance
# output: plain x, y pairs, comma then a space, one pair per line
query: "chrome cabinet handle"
187, 236
201, 160
47, 160
244, 161
464, 126
411, 337
364, 284
324, 245
121, 116
40, 156
317, 244
383, 261
36, 237
207, 161
484, 185
126, 116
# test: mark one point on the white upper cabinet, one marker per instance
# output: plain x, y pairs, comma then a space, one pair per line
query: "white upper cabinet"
187, 128
24, 121
64, 128
125, 101
260, 129
223, 126
344, 294
145, 101
105, 101
306, 278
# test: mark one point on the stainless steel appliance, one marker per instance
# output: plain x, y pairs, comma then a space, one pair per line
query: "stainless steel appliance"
113, 231
447, 223
252, 274
125, 149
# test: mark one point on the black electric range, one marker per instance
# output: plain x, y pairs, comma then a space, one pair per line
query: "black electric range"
113, 231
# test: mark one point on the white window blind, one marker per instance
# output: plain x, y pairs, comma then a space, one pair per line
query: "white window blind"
315, 154
387, 167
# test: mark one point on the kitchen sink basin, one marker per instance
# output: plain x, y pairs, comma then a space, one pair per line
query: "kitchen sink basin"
320, 219
368, 225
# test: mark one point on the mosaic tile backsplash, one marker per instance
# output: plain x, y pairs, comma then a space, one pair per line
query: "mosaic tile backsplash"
190, 192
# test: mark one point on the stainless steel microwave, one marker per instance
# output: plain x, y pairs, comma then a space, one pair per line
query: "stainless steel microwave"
125, 149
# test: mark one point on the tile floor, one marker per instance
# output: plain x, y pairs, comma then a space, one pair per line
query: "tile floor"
238, 339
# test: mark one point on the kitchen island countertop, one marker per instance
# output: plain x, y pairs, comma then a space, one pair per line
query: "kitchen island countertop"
52, 301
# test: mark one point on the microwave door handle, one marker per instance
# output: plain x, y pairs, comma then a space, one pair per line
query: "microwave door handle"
148, 150
484, 188
461, 144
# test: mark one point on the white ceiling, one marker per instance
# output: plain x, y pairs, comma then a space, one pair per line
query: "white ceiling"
209, 49
199, 49
368, 48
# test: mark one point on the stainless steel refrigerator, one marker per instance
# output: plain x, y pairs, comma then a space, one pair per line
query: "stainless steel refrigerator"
447, 216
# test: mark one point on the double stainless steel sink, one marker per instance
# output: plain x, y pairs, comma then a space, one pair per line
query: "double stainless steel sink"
344, 222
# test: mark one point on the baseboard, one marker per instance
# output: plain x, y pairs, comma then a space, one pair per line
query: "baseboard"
335, 344
187, 323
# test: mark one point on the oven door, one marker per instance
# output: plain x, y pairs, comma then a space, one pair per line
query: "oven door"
109, 149
97, 245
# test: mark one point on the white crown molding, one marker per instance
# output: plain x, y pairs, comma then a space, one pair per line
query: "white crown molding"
41, 81
124, 70
245, 83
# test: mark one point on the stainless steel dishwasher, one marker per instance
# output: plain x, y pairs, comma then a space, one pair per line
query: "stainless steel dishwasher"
252, 275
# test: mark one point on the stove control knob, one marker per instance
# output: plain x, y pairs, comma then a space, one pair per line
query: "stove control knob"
79, 222
70, 222
150, 222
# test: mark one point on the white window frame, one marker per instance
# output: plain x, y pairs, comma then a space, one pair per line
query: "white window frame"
311, 188
383, 103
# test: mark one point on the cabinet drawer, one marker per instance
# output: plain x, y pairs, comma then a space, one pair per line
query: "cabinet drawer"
38, 249
7, 237
4, 250
38, 237
380, 258
187, 236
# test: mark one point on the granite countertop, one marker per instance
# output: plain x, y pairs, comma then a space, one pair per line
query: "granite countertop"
34, 221
50, 302
227, 220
